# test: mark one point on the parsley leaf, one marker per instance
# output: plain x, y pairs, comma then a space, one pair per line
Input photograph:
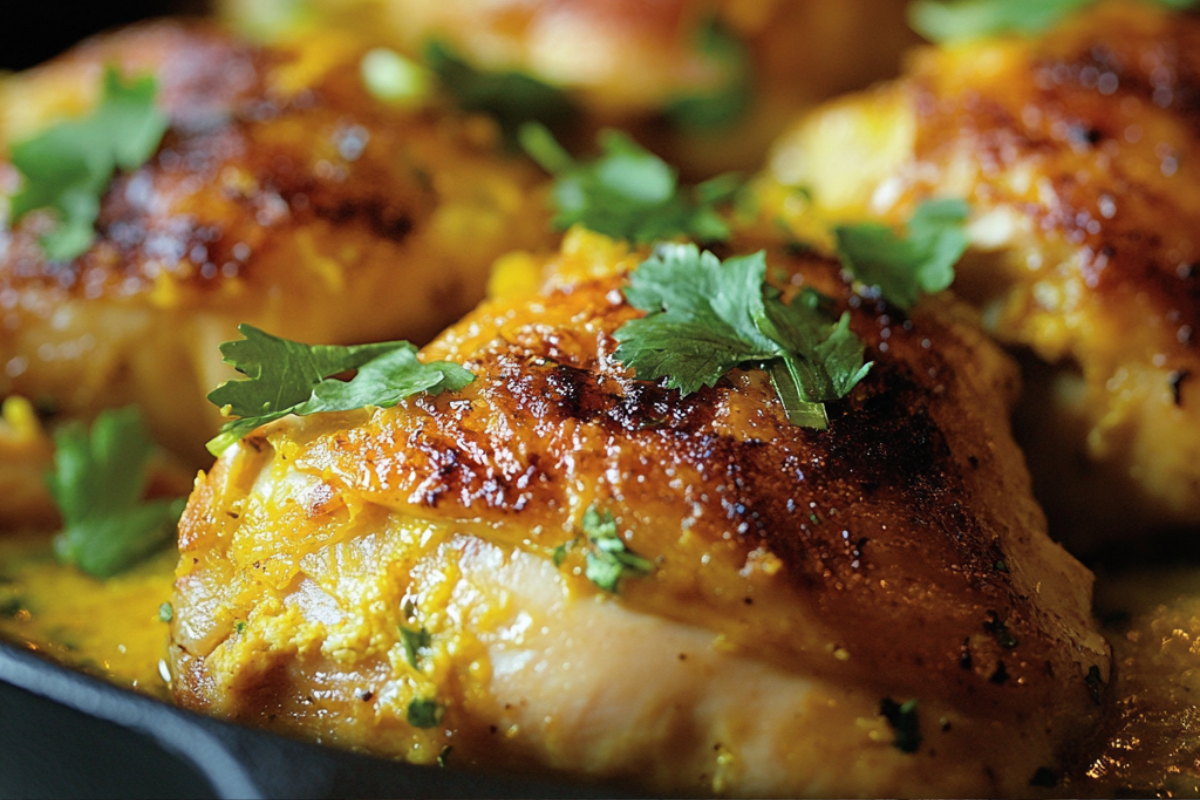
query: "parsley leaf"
68, 167
511, 98
949, 21
705, 317
728, 101
905, 267
628, 192
287, 377
903, 719
98, 481
609, 560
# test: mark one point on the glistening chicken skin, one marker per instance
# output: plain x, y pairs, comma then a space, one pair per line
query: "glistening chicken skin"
283, 195
1077, 152
392, 580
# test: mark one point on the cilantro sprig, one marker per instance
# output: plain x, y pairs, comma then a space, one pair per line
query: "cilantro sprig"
903, 267
286, 377
726, 102
68, 167
956, 20
705, 317
511, 98
98, 482
628, 192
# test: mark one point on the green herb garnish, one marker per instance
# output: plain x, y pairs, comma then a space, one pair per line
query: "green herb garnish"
628, 192
726, 102
955, 20
68, 167
705, 317
511, 98
424, 713
608, 559
287, 377
98, 482
414, 642
903, 719
905, 267
166, 612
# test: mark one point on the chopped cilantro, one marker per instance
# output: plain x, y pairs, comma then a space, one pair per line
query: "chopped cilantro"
560, 553
628, 192
67, 168
98, 482
954, 20
905, 267
166, 612
706, 317
728, 100
608, 560
903, 719
240, 626
414, 642
287, 377
424, 712
511, 98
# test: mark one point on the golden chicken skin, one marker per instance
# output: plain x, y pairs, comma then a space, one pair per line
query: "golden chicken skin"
871, 609
1077, 152
283, 194
709, 81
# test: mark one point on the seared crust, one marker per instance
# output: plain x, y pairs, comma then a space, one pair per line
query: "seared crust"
283, 195
898, 553
1075, 152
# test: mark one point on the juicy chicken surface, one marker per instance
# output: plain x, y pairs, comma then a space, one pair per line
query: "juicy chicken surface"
283, 195
800, 576
626, 62
1078, 153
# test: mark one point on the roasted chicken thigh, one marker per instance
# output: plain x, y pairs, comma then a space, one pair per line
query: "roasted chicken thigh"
1078, 153
283, 195
873, 609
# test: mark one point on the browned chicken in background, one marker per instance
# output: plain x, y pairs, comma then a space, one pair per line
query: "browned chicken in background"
1079, 153
409, 580
711, 82
283, 195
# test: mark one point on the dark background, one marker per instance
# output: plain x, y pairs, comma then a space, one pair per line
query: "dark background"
43, 29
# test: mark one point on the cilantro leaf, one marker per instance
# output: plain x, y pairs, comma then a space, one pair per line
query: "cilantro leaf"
608, 560
726, 102
287, 377
68, 167
98, 481
705, 317
955, 20
628, 192
511, 98
424, 712
905, 267
414, 642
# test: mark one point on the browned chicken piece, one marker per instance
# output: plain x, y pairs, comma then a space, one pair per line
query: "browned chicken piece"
407, 580
627, 62
283, 195
1079, 153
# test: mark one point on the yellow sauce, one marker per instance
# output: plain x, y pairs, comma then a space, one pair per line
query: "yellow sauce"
111, 629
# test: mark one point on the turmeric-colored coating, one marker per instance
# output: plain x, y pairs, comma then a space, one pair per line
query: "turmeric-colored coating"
800, 576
